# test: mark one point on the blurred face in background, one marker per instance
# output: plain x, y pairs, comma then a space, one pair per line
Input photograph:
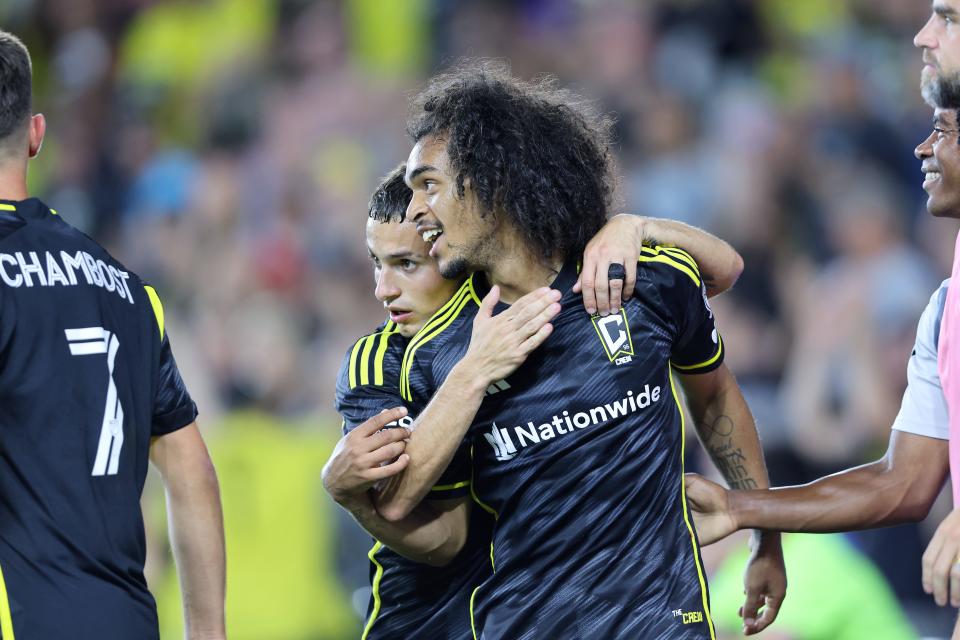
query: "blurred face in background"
940, 41
940, 154
408, 282
461, 238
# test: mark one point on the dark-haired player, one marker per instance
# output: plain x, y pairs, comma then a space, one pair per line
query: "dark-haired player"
88, 391
903, 484
422, 591
576, 446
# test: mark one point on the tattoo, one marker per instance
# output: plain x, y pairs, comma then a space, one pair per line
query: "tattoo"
743, 485
720, 429
729, 459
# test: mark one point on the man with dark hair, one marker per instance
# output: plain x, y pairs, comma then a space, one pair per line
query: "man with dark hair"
940, 85
924, 445
422, 591
903, 484
90, 391
575, 448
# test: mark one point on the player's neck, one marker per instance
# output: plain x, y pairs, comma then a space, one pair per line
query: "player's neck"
520, 273
13, 182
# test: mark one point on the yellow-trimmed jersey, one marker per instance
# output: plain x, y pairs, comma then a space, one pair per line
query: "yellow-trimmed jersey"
87, 378
579, 456
409, 599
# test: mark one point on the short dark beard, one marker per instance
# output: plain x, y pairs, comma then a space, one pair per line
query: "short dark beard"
943, 92
456, 269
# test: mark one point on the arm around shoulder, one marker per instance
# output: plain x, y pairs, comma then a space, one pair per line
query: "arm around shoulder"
719, 263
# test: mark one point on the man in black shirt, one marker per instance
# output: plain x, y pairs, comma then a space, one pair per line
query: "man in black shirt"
579, 454
411, 596
89, 391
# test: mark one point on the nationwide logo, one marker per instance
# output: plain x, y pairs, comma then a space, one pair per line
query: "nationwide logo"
614, 333
506, 443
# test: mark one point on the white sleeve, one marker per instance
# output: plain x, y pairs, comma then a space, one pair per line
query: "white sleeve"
924, 407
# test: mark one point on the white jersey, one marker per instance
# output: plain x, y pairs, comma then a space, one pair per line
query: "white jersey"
924, 407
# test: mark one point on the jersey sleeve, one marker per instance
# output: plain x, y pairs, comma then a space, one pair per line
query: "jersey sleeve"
697, 346
173, 408
419, 387
923, 410
369, 378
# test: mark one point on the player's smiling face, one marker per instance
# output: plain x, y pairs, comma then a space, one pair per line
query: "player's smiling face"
457, 232
940, 154
408, 282
940, 41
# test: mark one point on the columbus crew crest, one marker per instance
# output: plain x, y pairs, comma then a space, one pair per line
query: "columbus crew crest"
614, 333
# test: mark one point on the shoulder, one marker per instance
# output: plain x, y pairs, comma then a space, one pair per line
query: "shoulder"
928, 329
373, 359
667, 266
669, 277
451, 322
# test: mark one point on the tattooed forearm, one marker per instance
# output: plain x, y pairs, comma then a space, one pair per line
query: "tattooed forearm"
729, 459
743, 485
717, 431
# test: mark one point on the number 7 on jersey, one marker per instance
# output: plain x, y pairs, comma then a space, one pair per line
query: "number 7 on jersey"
92, 341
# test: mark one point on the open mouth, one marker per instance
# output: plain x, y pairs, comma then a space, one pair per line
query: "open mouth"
399, 315
430, 235
930, 177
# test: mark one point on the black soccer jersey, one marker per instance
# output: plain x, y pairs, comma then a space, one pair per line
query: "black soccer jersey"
409, 600
579, 455
86, 379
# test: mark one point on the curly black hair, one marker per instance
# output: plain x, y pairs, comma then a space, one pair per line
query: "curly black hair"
537, 153
389, 202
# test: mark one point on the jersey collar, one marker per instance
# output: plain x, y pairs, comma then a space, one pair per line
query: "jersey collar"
29, 208
562, 283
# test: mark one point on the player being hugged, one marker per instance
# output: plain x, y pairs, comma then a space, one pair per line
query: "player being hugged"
566, 424
418, 589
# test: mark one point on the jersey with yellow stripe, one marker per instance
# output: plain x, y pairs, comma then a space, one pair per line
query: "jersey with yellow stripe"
579, 454
408, 599
87, 378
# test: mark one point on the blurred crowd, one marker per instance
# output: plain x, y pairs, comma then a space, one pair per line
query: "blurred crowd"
226, 149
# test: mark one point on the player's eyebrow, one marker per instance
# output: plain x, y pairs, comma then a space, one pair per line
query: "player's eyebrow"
399, 255
944, 11
419, 170
940, 123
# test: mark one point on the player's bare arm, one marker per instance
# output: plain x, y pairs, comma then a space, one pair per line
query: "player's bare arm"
498, 345
728, 432
196, 528
434, 531
619, 242
900, 487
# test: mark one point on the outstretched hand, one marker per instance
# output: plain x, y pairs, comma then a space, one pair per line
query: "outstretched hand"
709, 506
